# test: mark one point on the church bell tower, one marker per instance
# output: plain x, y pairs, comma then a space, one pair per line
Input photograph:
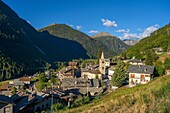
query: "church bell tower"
102, 66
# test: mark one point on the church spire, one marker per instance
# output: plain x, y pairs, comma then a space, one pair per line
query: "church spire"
102, 56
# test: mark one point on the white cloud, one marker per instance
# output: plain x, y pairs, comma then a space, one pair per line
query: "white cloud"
129, 35
141, 35
148, 31
123, 31
93, 31
79, 27
109, 23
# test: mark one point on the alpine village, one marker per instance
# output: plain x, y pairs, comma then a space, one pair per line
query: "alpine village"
58, 69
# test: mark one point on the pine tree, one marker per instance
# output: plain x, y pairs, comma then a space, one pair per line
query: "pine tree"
119, 74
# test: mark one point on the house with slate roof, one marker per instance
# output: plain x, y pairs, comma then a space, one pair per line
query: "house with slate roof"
6, 105
140, 74
82, 86
135, 62
91, 74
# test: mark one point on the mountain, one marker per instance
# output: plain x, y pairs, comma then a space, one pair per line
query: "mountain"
101, 34
23, 50
158, 39
150, 98
59, 49
112, 43
130, 41
91, 45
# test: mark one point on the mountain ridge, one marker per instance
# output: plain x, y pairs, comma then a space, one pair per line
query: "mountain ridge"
111, 42
90, 44
23, 50
101, 34
65, 31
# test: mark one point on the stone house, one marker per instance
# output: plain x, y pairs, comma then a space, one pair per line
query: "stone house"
6, 89
35, 102
69, 83
73, 64
140, 74
91, 74
25, 80
6, 105
136, 62
68, 72
110, 71
82, 86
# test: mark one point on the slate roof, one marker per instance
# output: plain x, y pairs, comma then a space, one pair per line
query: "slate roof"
92, 71
141, 69
90, 89
74, 82
17, 82
135, 60
5, 99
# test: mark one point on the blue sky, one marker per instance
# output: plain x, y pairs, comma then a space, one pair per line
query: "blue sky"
122, 18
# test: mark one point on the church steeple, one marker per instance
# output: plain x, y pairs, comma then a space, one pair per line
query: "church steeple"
102, 66
102, 56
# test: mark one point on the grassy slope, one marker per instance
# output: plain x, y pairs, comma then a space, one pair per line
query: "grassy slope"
159, 38
163, 57
153, 97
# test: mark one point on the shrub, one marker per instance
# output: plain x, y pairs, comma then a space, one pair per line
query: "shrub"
81, 101
42, 77
57, 106
167, 63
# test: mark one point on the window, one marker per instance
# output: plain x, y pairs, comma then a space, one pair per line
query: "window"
132, 75
136, 81
147, 75
142, 76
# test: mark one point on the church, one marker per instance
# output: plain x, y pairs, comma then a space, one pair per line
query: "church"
103, 64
